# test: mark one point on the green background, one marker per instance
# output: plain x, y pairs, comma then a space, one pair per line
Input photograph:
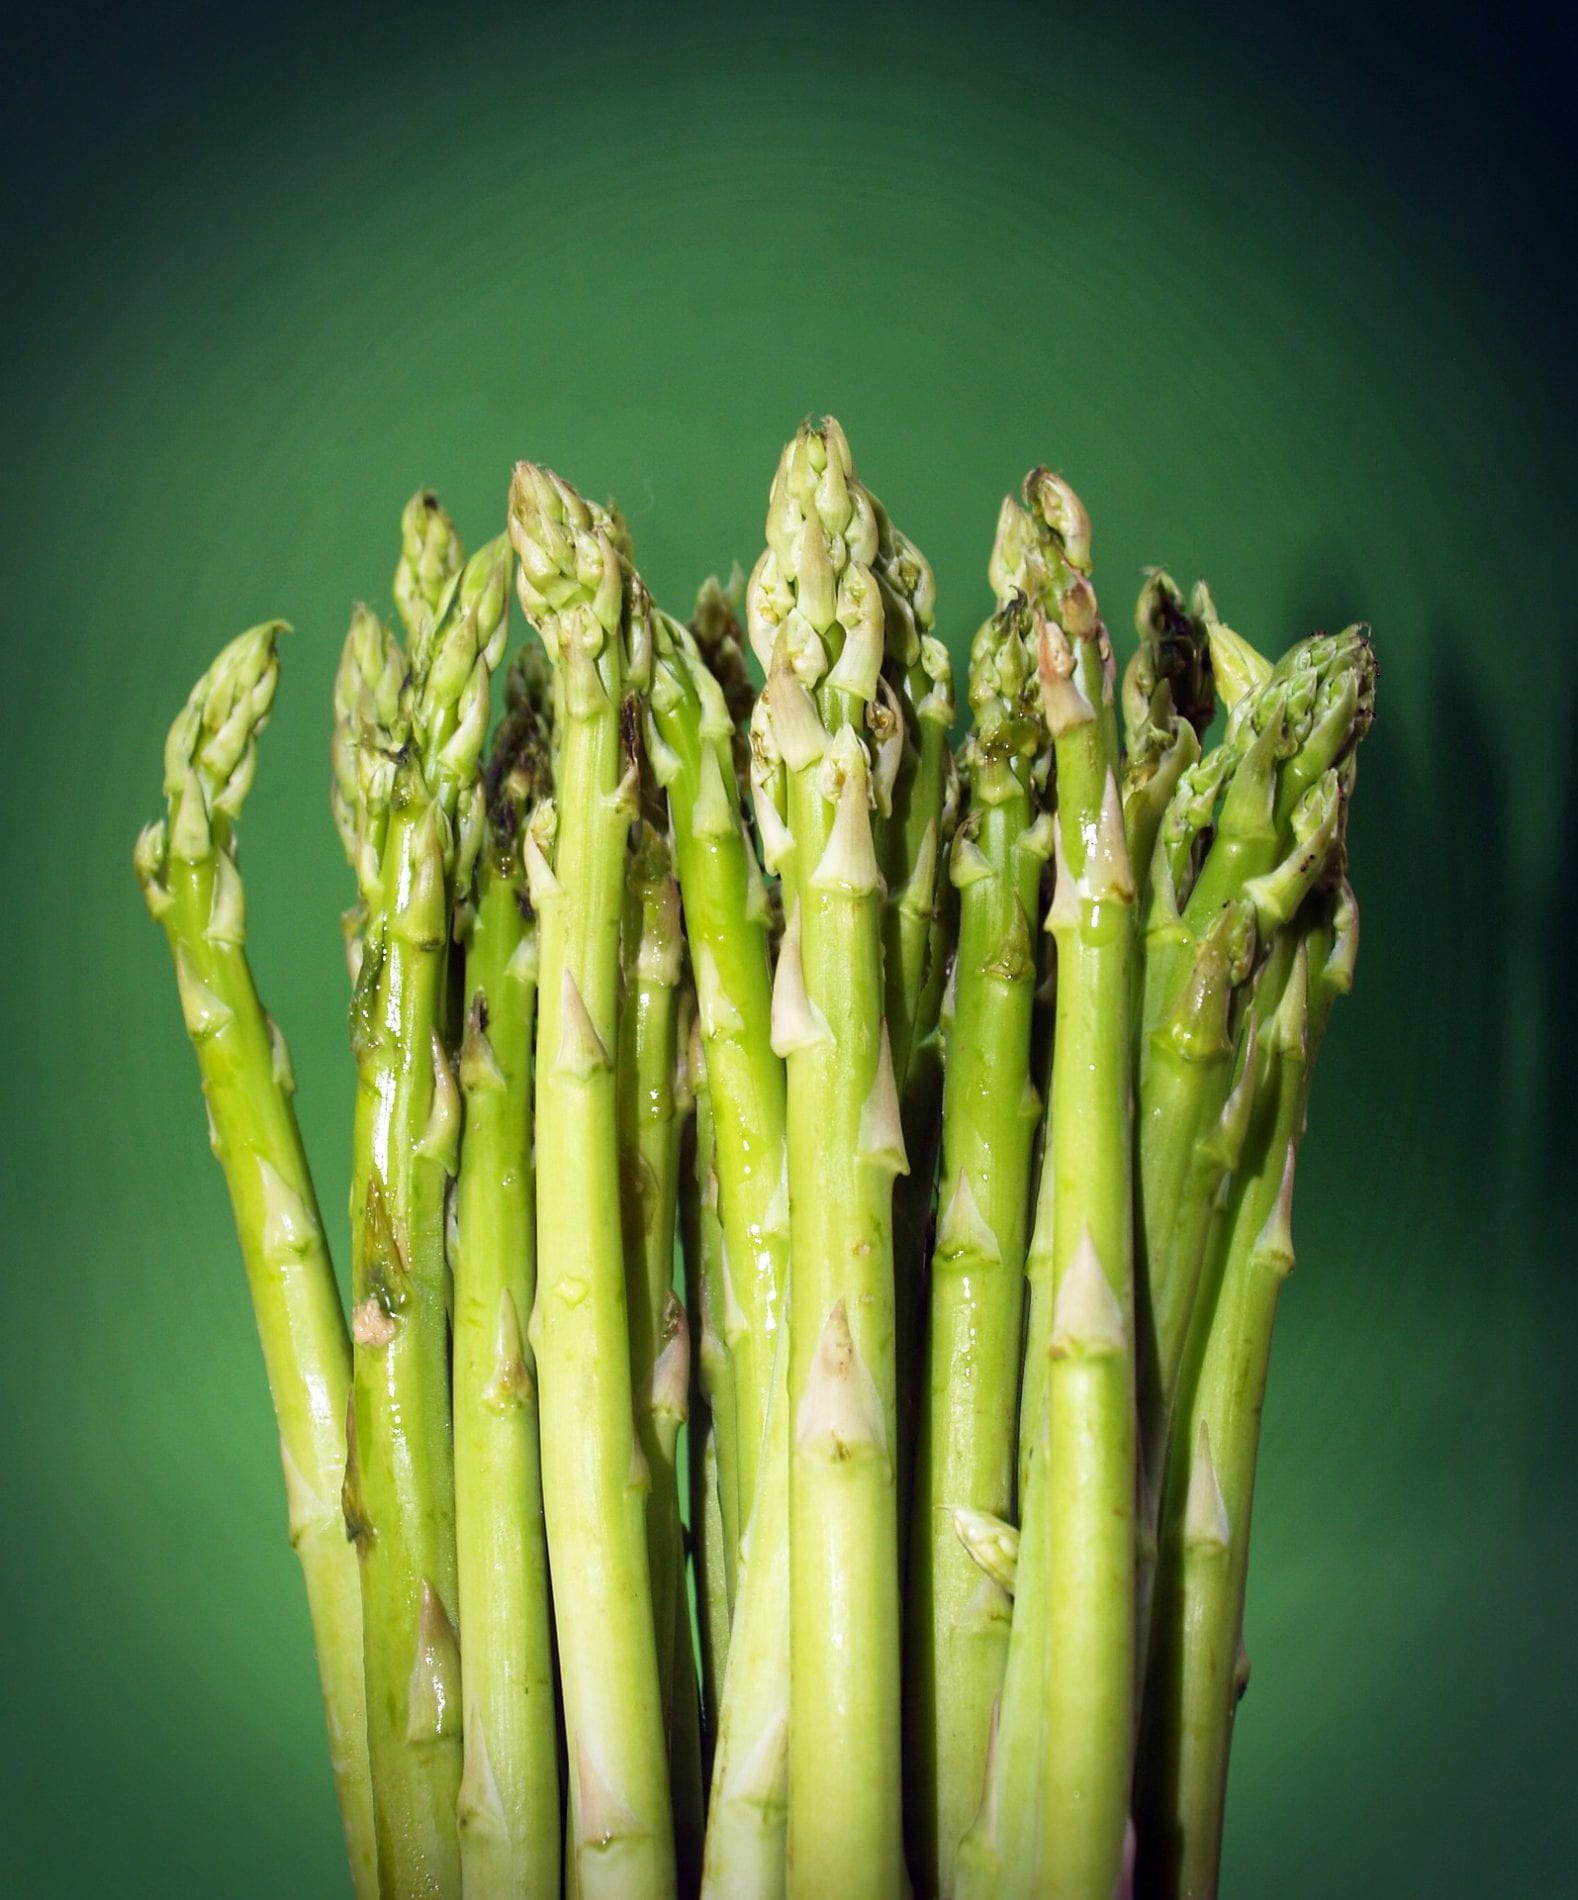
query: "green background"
1290, 305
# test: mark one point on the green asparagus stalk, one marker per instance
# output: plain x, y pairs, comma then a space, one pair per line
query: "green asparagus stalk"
706, 1297
726, 919
187, 867
1077, 1550
595, 619
1253, 820
712, 1602
746, 1849
916, 793
399, 1485
650, 1127
1197, 1673
958, 1618
816, 610
1042, 551
509, 1796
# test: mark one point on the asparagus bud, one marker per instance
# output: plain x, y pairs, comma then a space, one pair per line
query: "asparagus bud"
430, 557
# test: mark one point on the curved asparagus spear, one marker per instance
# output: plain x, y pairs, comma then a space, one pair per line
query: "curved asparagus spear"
816, 611
399, 1489
186, 865
1197, 1672
595, 619
1257, 814
509, 1796
958, 1619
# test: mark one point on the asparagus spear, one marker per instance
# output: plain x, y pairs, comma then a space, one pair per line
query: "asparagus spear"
1257, 813
509, 1796
915, 786
399, 1487
746, 1826
650, 1126
958, 1621
704, 1293
816, 610
726, 918
187, 867
1073, 1630
1197, 1670
595, 619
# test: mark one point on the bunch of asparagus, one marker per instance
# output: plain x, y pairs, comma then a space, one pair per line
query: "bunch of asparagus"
898, 1541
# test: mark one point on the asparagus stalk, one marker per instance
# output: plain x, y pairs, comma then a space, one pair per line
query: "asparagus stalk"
1042, 551
916, 793
958, 1618
746, 1853
1256, 815
712, 1603
726, 918
399, 1485
650, 1126
1077, 1550
816, 610
187, 867
595, 619
705, 1294
509, 1797
1198, 1672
